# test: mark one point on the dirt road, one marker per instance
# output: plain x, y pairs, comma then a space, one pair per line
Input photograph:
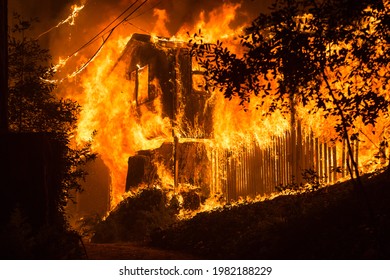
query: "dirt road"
131, 251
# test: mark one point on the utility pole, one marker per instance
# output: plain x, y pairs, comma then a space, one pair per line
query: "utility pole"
3, 67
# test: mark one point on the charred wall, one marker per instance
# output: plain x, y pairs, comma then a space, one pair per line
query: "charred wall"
185, 103
192, 160
169, 74
141, 52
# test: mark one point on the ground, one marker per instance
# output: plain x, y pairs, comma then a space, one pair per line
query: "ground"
334, 222
131, 251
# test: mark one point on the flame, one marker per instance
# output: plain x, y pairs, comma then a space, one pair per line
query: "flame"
215, 25
162, 20
71, 19
123, 129
108, 110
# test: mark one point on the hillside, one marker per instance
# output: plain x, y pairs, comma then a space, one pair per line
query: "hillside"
331, 223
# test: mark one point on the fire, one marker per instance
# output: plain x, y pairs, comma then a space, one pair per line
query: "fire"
71, 19
121, 130
162, 19
108, 109
75, 11
215, 25
111, 107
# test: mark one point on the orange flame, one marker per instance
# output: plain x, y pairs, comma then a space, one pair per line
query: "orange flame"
122, 130
70, 19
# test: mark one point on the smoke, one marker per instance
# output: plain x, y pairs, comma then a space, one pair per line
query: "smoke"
159, 17
187, 12
162, 20
98, 13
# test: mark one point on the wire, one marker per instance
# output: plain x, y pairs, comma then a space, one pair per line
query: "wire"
112, 30
140, 14
139, 28
103, 33
92, 57
126, 18
70, 19
151, 8
104, 29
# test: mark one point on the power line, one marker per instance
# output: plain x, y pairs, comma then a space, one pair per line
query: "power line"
140, 14
70, 19
104, 29
139, 28
104, 32
94, 55
144, 12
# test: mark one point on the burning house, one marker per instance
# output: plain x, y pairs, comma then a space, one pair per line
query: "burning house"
160, 69
158, 124
163, 79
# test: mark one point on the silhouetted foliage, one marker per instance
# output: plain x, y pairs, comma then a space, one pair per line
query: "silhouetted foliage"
137, 216
311, 182
19, 240
329, 223
34, 107
331, 55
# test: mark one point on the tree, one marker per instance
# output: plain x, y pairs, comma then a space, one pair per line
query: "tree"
330, 55
33, 106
